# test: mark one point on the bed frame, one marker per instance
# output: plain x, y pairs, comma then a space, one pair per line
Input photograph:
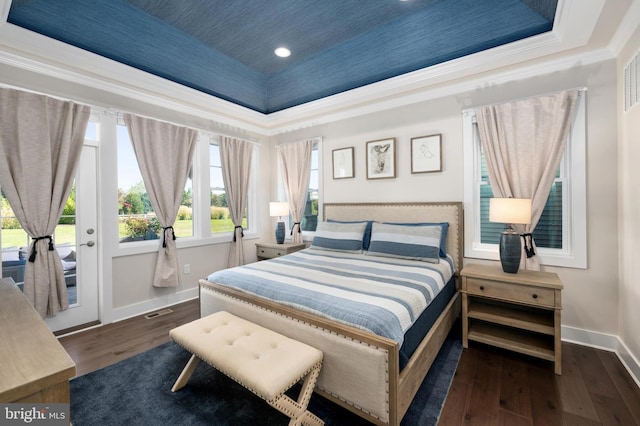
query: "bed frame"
360, 370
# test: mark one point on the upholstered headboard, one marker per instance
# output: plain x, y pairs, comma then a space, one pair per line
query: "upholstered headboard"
450, 212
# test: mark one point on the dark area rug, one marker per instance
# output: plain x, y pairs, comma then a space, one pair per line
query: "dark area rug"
137, 391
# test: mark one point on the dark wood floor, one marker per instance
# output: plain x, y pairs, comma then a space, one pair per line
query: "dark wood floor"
98, 347
497, 387
491, 386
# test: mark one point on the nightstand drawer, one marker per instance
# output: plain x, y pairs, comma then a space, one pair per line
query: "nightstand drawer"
537, 296
270, 253
271, 250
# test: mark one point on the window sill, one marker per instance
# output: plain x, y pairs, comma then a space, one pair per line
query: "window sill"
546, 257
151, 246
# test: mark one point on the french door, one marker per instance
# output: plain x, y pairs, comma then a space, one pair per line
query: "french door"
77, 243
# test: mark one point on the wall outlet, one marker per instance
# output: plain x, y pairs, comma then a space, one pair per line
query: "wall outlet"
187, 269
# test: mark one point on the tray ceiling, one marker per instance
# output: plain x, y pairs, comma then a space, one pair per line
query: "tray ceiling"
226, 48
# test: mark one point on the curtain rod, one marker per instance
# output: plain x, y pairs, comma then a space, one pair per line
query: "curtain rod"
580, 90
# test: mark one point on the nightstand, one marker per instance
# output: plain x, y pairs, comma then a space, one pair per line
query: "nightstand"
520, 312
271, 250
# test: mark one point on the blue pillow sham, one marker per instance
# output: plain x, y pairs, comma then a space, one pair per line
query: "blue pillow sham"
417, 242
367, 231
443, 234
345, 237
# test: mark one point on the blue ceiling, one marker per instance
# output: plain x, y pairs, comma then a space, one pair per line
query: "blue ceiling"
225, 47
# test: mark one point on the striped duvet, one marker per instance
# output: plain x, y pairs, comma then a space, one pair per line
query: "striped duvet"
379, 294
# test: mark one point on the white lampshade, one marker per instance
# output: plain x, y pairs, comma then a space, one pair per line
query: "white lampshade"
278, 208
510, 210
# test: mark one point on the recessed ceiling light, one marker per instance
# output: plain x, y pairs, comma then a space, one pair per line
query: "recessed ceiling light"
283, 52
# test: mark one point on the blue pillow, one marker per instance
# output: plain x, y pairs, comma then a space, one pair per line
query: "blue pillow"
367, 231
346, 237
443, 235
417, 242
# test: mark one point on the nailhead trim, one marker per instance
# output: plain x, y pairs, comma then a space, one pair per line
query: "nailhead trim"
351, 403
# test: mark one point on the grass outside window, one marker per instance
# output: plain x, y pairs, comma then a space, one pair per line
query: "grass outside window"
66, 234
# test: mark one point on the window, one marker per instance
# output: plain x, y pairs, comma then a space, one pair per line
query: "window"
310, 216
203, 216
136, 219
548, 232
313, 205
220, 217
561, 232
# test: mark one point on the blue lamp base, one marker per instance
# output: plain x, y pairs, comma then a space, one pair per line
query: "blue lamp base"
510, 251
280, 232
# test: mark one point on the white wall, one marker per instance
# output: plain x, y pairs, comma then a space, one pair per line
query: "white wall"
590, 296
629, 216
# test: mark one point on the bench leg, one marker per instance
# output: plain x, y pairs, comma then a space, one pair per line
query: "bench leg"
298, 410
186, 373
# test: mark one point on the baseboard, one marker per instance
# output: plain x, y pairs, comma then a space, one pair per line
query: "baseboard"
147, 306
607, 342
630, 362
594, 339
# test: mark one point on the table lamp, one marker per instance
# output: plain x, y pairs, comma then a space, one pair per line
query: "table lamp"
279, 209
510, 211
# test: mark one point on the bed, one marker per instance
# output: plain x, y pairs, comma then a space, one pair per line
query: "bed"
375, 375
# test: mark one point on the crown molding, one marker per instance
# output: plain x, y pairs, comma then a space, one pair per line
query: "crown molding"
465, 85
34, 52
5, 5
575, 20
628, 26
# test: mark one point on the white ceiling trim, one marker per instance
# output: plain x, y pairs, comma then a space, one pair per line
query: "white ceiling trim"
466, 85
4, 10
34, 52
575, 22
628, 26
421, 80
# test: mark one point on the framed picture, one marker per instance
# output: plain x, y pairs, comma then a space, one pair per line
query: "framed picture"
343, 163
426, 154
381, 159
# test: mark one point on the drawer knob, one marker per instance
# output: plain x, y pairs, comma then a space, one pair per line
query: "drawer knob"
482, 287
535, 296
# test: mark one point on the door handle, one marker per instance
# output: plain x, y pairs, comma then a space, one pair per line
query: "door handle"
89, 243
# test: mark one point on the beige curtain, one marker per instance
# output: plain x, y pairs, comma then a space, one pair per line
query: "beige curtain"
295, 162
523, 143
164, 153
235, 156
40, 144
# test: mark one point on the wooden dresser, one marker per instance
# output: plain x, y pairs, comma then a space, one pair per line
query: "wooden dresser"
34, 367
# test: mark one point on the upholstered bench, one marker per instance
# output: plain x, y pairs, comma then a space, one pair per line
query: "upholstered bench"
261, 360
